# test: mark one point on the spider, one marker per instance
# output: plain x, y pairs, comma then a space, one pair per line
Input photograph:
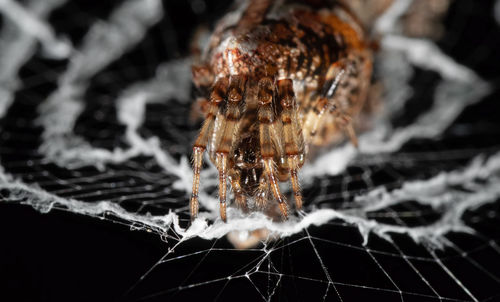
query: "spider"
277, 79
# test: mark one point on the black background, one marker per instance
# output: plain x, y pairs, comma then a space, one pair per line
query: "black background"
61, 256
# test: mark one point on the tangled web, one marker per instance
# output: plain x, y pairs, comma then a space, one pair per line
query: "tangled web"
95, 120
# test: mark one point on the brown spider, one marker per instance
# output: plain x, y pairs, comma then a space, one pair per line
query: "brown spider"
277, 78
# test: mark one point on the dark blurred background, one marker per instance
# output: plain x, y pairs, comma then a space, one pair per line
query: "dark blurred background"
61, 256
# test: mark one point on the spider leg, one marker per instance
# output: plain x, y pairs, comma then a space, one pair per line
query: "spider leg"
203, 80
267, 121
202, 77
262, 194
423, 19
353, 93
253, 14
231, 122
352, 134
200, 145
325, 102
292, 135
234, 176
343, 96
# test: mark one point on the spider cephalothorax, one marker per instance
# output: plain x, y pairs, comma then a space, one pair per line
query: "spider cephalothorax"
277, 78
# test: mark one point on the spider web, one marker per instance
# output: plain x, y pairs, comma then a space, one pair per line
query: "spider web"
95, 120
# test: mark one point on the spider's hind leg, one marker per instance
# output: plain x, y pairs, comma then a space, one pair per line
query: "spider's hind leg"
325, 102
344, 93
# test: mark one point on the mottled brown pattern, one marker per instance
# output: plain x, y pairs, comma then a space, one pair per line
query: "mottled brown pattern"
286, 76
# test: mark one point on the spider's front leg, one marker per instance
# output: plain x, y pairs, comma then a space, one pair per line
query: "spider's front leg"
268, 141
292, 135
206, 136
281, 141
217, 135
230, 122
